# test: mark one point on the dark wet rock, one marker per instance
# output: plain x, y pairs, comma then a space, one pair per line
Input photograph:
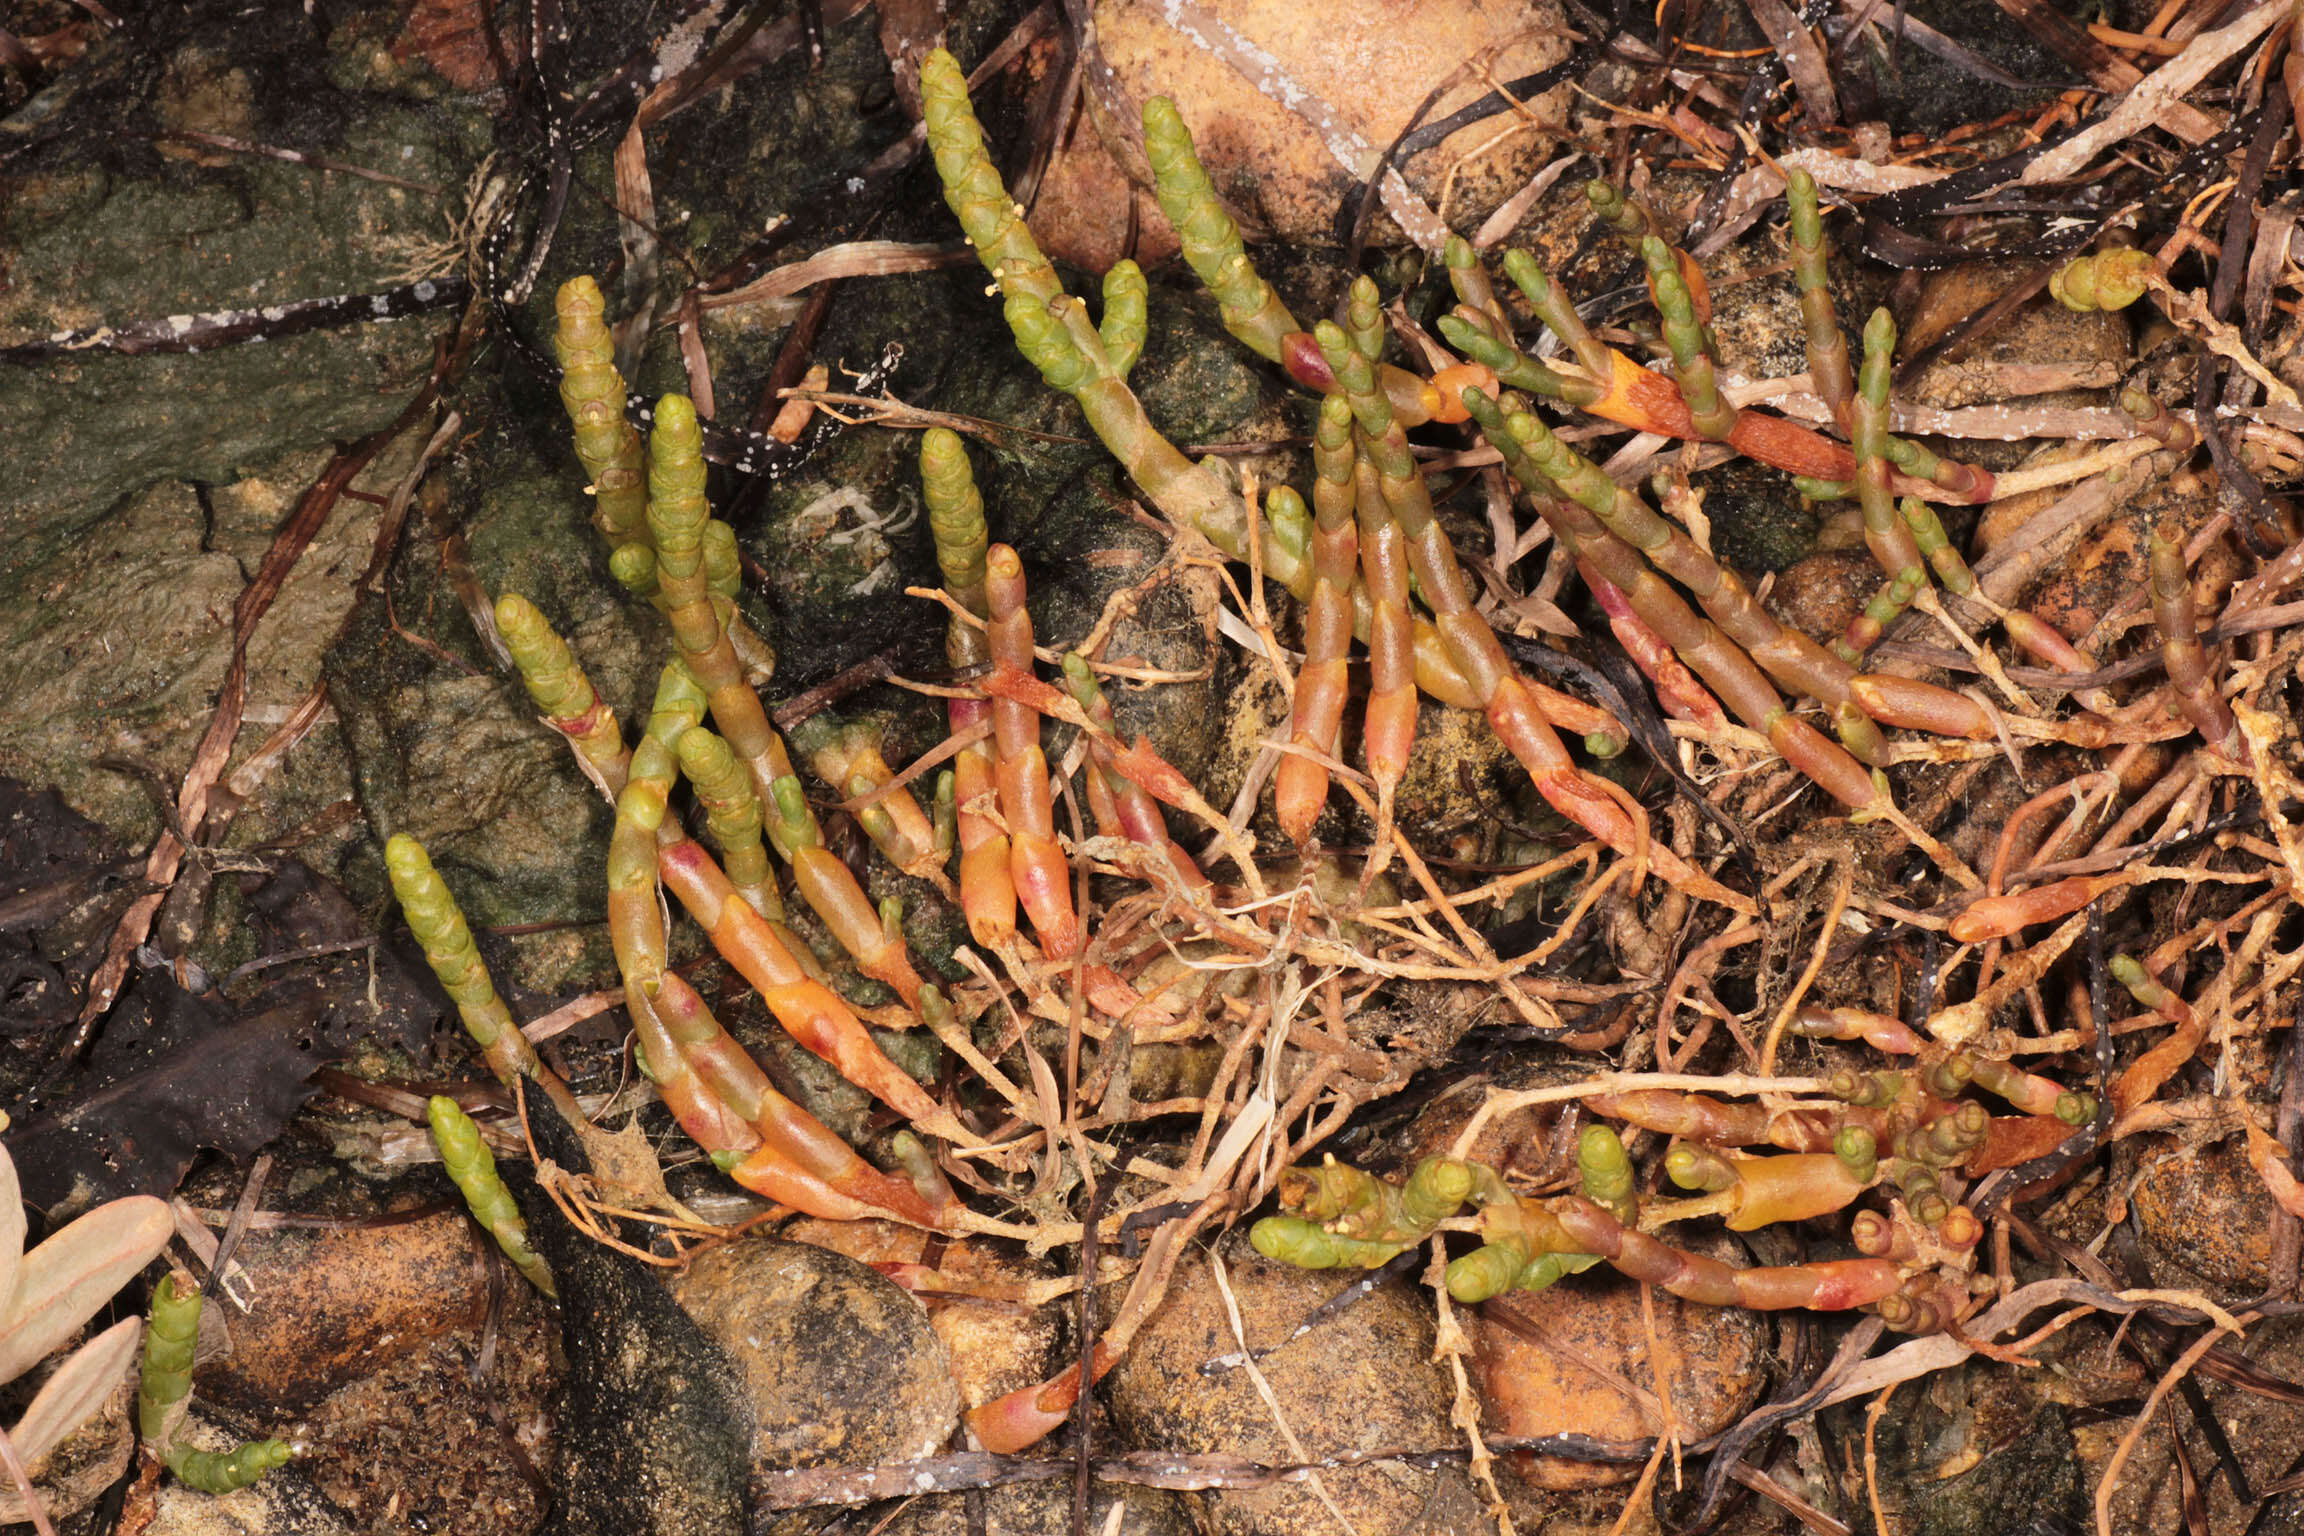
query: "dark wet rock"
839, 1366
1759, 522
1040, 1509
1363, 1381
437, 1360
332, 1303
1975, 1444
448, 749
1576, 1359
655, 1429
2203, 1216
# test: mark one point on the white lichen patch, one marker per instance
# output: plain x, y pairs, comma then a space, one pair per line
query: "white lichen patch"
845, 516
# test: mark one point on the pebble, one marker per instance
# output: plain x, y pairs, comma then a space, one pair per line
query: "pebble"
840, 1366
1362, 1381
1575, 1360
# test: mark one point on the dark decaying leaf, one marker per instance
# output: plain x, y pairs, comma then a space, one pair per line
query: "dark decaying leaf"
174, 1073
298, 911
52, 861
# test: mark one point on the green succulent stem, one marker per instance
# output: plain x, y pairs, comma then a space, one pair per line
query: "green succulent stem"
558, 686
1827, 347
732, 818
1624, 215
592, 392
1469, 277
1211, 240
1054, 334
1307, 1245
439, 926
955, 516
608, 447
473, 1169
172, 1335
791, 823
1885, 608
1951, 570
1554, 309
1364, 318
1891, 543
1693, 368
1356, 379
1606, 1171
1126, 317
1515, 369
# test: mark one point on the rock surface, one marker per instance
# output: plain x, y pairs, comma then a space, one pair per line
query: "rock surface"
2203, 1217
996, 1345
1576, 1359
1252, 125
838, 1365
330, 1304
1363, 1381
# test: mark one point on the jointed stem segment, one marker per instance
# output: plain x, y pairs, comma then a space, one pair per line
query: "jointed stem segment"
469, 1163
1133, 806
1211, 241
1827, 348
560, 689
1693, 367
1472, 645
733, 817
172, 1334
1036, 864
956, 517
2180, 649
1300, 786
609, 448
1890, 541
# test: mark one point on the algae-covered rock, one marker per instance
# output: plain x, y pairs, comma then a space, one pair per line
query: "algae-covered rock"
1962, 1452
102, 228
445, 744
121, 638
